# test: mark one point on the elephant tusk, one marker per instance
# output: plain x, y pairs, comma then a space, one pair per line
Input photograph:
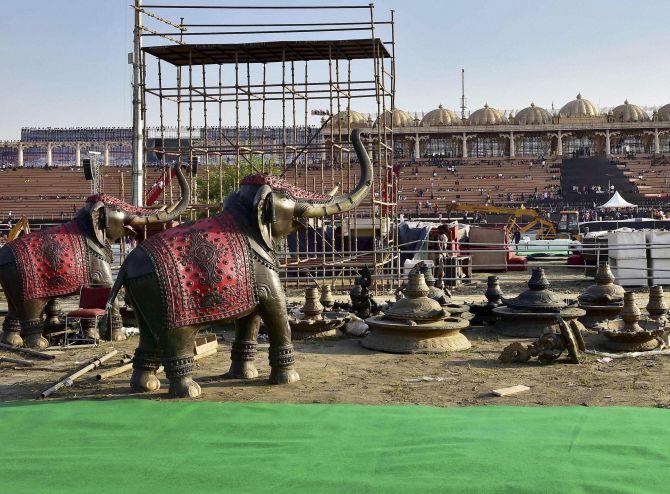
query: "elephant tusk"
346, 202
334, 190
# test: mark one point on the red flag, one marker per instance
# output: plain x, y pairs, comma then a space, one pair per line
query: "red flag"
157, 189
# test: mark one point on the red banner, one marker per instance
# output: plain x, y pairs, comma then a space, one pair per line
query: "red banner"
157, 189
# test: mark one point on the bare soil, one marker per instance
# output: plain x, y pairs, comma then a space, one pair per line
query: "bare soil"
342, 371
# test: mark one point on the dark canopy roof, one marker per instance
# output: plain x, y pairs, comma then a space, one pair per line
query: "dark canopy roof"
271, 51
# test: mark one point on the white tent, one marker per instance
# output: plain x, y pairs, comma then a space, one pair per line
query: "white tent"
617, 202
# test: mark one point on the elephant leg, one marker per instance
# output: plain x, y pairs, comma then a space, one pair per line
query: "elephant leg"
178, 347
54, 314
31, 332
115, 326
149, 313
11, 330
146, 361
11, 326
32, 324
101, 275
243, 351
273, 312
27, 312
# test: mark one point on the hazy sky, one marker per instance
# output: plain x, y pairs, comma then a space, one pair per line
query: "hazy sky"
65, 61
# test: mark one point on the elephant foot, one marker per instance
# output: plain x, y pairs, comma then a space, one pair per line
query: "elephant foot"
115, 332
11, 331
31, 332
92, 333
284, 375
36, 342
241, 370
112, 335
281, 363
178, 370
12, 338
184, 387
117, 336
144, 381
89, 329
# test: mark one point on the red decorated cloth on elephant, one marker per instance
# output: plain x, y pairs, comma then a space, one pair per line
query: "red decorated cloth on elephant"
204, 271
51, 262
278, 184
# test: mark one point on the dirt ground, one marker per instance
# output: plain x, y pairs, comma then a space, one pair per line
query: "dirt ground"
342, 371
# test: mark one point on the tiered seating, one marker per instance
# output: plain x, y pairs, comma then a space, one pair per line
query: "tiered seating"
55, 194
475, 181
346, 178
422, 187
649, 173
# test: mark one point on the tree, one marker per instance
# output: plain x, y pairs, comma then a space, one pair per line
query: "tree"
224, 178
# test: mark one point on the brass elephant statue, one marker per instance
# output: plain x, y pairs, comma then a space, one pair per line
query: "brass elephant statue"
38, 268
219, 269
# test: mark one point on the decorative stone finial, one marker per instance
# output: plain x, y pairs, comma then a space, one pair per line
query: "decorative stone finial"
327, 299
493, 292
630, 313
312, 307
632, 333
538, 280
656, 307
604, 275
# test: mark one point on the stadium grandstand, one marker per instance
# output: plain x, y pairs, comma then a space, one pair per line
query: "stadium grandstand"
575, 155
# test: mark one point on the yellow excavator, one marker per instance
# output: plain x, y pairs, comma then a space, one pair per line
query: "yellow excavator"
20, 228
546, 229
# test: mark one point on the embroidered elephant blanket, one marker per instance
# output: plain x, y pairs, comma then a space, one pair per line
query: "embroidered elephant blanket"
51, 262
204, 271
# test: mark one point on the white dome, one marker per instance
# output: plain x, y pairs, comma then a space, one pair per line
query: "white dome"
440, 117
629, 113
663, 113
487, 116
400, 119
579, 107
533, 115
346, 119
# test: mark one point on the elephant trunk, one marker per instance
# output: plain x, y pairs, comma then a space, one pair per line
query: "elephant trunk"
171, 212
344, 202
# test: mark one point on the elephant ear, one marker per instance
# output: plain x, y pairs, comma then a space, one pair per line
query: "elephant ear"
98, 221
264, 214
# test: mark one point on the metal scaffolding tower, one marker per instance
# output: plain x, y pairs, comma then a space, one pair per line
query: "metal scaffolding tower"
240, 101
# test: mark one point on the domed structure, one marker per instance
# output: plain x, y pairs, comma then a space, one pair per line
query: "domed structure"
579, 107
487, 116
663, 113
629, 113
532, 115
400, 118
351, 118
440, 117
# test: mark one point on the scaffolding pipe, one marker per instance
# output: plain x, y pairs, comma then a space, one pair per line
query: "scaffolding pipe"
138, 124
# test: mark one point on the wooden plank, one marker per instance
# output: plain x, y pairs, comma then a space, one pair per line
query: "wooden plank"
510, 390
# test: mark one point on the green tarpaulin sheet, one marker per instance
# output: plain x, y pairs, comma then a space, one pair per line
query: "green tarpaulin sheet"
151, 446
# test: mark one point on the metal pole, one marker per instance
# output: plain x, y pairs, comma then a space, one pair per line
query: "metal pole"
138, 124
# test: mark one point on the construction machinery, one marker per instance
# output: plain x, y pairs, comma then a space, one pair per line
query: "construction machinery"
568, 222
521, 218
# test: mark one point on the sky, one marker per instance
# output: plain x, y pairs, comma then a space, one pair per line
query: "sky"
65, 61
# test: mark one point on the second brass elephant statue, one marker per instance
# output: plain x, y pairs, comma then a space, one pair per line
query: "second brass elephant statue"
38, 268
220, 269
